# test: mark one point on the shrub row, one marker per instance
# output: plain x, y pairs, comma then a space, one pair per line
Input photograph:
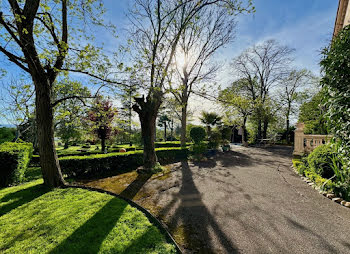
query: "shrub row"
318, 166
303, 169
14, 158
78, 166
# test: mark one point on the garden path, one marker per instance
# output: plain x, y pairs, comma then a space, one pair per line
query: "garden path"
248, 200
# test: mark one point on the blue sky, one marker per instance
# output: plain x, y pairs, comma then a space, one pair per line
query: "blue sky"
306, 25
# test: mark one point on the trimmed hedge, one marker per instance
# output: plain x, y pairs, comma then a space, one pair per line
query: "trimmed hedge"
14, 159
170, 144
77, 166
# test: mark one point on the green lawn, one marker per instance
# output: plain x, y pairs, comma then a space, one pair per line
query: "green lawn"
34, 219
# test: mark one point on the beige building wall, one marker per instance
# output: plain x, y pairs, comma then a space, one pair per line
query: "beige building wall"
347, 16
343, 16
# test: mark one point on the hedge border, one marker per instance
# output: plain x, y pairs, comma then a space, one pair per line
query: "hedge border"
312, 184
152, 218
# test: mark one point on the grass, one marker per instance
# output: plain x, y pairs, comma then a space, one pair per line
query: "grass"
34, 219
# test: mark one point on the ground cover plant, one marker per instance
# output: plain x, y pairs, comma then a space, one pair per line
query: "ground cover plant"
35, 219
323, 166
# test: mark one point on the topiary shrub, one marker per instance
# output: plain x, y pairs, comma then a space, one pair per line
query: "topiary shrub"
14, 159
214, 140
197, 134
320, 160
226, 133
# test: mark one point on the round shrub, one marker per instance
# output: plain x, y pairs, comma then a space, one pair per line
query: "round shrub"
226, 133
320, 160
214, 140
197, 134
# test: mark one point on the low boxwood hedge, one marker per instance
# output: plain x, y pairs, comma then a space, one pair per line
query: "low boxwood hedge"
14, 159
100, 164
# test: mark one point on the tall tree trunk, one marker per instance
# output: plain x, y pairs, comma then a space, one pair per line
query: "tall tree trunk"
172, 129
147, 111
148, 129
288, 123
244, 143
259, 132
165, 131
45, 132
103, 145
266, 124
183, 125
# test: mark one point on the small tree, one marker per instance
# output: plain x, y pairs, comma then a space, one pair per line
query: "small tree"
164, 122
69, 113
101, 118
210, 119
236, 102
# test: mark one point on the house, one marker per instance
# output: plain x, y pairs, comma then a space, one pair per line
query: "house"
343, 16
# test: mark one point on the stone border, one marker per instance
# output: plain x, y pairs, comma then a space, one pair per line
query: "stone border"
152, 219
329, 195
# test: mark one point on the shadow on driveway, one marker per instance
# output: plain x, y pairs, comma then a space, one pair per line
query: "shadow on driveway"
195, 218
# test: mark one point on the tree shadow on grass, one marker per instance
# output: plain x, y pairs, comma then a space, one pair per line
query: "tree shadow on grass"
89, 237
22, 197
134, 187
195, 218
146, 239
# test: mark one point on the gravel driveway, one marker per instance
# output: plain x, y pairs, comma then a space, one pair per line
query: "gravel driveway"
248, 200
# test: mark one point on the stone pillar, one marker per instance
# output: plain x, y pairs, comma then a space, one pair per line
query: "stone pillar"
299, 139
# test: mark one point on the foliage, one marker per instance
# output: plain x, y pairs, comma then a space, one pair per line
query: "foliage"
197, 134
100, 119
77, 166
35, 219
198, 150
214, 140
262, 67
292, 93
7, 134
312, 114
226, 133
320, 160
236, 101
303, 169
69, 113
336, 82
14, 159
17, 104
210, 119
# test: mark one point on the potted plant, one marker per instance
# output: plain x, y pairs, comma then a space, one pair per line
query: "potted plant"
226, 145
